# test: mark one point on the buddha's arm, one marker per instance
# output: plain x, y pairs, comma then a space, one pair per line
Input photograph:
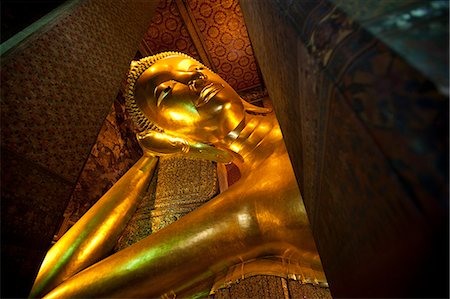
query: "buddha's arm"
173, 258
242, 223
95, 234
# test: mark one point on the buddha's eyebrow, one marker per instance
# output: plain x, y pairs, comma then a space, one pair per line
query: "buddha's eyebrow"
196, 67
181, 76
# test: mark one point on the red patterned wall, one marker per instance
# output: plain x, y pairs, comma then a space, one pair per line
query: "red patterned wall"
223, 30
220, 25
167, 31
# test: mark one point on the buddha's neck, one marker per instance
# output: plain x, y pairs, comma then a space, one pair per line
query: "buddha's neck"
255, 138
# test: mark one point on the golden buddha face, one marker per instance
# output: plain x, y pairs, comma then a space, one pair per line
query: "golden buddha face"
181, 96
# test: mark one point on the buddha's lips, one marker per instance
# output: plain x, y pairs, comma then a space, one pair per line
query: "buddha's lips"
207, 93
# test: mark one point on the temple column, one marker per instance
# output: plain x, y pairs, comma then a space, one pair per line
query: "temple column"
59, 78
367, 133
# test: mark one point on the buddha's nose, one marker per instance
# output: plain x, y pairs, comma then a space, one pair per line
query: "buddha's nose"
198, 84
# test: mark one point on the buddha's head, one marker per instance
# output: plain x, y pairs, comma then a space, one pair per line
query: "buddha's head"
179, 95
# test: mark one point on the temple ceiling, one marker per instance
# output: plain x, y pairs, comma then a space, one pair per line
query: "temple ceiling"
212, 31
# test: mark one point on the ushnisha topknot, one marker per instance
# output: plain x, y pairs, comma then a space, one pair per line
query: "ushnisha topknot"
136, 70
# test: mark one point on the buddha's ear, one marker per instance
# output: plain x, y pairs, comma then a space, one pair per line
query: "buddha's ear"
255, 109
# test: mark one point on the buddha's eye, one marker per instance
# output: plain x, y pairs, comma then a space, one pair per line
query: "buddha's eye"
196, 67
163, 94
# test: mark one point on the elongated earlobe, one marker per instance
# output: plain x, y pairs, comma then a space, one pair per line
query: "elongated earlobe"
255, 109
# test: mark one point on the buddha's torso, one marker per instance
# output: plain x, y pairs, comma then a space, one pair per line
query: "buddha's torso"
271, 209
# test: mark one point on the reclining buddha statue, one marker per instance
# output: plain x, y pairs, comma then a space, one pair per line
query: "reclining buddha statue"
257, 225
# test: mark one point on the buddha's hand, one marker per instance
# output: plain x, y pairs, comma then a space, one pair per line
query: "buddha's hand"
161, 144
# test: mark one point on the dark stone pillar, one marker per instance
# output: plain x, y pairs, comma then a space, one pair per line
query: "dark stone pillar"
368, 138
58, 84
